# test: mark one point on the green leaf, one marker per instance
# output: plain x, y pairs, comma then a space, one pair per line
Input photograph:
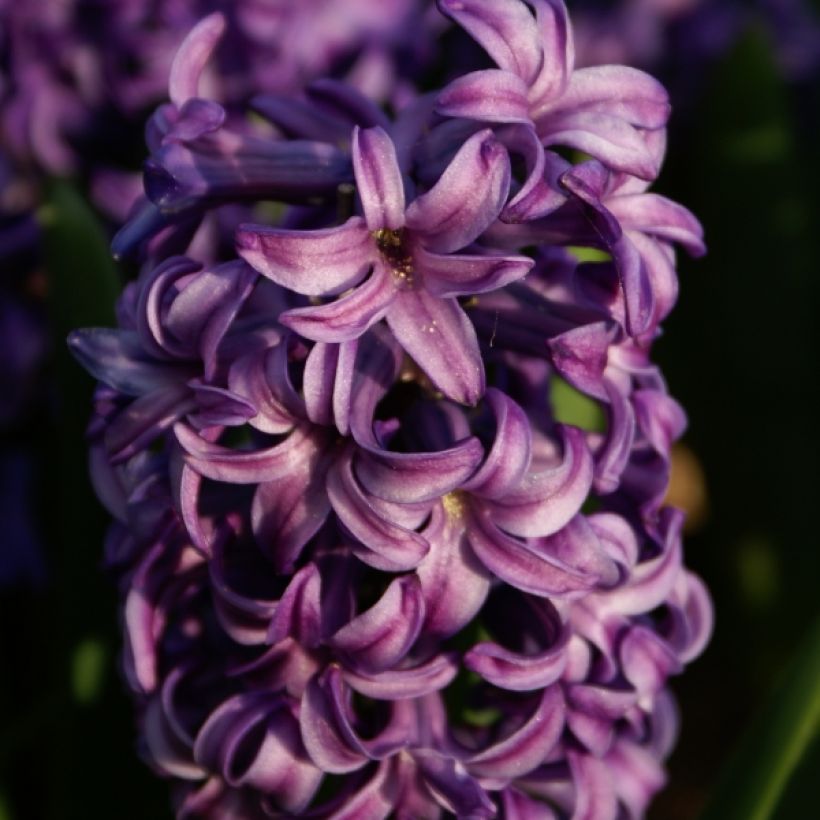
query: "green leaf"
757, 776
88, 668
82, 279
570, 406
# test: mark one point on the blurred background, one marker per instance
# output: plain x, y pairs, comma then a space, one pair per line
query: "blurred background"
739, 353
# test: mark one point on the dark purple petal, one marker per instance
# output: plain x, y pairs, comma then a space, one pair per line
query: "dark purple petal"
400, 684
381, 636
298, 614
117, 358
253, 741
317, 263
441, 340
249, 466
378, 179
661, 217
453, 787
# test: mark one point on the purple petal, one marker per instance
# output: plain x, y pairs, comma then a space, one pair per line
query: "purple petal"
557, 48
378, 179
467, 198
594, 791
317, 263
381, 636
453, 581
511, 453
489, 95
463, 275
408, 478
117, 358
521, 566
647, 660
609, 139
528, 747
273, 762
442, 341
506, 31
389, 546
549, 498
619, 91
580, 356
286, 513
298, 614
453, 787
656, 215
249, 466
611, 459
348, 317
192, 56
400, 684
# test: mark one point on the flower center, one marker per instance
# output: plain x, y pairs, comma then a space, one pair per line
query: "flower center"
455, 505
392, 247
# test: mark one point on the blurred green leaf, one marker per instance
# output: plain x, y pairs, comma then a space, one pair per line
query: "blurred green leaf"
775, 743
570, 406
83, 281
88, 668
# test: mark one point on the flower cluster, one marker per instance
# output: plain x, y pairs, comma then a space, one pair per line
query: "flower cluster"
367, 569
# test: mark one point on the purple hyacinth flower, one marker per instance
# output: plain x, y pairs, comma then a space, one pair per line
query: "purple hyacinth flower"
407, 254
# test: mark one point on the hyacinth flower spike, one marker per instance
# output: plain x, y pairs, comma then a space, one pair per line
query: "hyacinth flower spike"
399, 261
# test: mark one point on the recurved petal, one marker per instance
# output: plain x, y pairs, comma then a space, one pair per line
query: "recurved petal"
511, 453
504, 28
464, 275
378, 178
661, 217
193, 54
523, 567
614, 142
515, 671
248, 466
489, 95
386, 545
619, 91
580, 356
400, 684
467, 198
526, 748
409, 478
380, 637
547, 499
595, 797
324, 262
611, 459
348, 317
442, 341
253, 741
